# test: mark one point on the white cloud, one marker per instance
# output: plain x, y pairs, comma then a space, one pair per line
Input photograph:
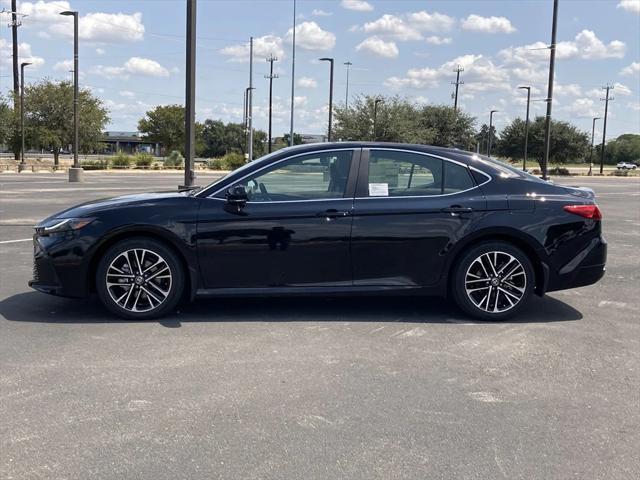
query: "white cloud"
379, 47
569, 89
309, 36
133, 66
476, 23
436, 40
634, 105
431, 22
320, 13
631, 69
63, 66
126, 94
581, 108
591, 47
101, 27
307, 82
357, 5
481, 75
392, 26
299, 101
630, 5
621, 89
100, 51
262, 47
24, 54
42, 12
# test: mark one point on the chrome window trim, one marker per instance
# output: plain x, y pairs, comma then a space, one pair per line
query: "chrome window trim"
489, 177
283, 160
290, 201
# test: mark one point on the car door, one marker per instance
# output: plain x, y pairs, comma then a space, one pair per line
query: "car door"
409, 209
293, 231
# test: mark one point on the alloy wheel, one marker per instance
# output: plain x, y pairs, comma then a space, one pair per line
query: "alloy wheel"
495, 282
138, 280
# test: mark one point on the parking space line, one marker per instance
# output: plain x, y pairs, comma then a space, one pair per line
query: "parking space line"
16, 241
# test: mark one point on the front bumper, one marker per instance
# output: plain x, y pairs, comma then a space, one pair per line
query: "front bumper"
48, 265
586, 268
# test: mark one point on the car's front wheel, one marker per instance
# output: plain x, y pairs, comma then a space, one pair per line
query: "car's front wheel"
493, 281
140, 278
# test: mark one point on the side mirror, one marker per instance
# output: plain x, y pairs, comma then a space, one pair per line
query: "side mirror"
237, 196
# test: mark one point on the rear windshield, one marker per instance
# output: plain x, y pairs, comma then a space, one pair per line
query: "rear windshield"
508, 169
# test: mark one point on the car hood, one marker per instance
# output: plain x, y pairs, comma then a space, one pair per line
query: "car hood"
89, 208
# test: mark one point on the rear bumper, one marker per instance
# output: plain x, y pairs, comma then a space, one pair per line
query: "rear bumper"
586, 268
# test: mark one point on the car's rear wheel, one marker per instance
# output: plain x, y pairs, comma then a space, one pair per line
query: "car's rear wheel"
493, 281
140, 278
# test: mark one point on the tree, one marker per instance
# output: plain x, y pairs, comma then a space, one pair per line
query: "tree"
165, 125
625, 148
6, 121
297, 139
49, 117
567, 142
482, 138
398, 120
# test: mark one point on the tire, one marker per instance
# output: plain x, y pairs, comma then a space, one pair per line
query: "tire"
129, 294
474, 277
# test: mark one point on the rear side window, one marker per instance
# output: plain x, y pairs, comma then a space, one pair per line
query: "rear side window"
456, 178
402, 174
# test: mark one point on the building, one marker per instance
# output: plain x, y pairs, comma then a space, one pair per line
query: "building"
128, 142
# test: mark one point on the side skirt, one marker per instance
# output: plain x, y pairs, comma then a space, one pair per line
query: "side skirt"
311, 291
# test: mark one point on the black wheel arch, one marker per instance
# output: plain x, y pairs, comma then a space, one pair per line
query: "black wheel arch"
529, 245
185, 254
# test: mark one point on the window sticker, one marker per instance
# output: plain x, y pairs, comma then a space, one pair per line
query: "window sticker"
378, 189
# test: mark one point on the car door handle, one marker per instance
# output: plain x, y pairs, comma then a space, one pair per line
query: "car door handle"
333, 213
457, 209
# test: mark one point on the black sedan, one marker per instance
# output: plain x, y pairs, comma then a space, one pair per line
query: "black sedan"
327, 219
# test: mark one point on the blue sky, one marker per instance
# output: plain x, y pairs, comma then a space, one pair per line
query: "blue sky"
132, 55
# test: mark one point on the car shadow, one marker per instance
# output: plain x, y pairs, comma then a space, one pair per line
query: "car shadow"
38, 308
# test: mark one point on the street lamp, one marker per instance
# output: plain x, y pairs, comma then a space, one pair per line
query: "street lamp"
593, 130
346, 96
330, 60
22, 165
75, 173
375, 117
490, 136
526, 128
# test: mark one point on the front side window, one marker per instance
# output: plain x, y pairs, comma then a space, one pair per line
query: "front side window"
315, 176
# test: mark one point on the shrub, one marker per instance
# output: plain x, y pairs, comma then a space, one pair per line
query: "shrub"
621, 173
121, 160
174, 160
232, 160
95, 164
215, 164
559, 171
143, 159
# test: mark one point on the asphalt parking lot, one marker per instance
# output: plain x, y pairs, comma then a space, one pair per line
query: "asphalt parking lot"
369, 388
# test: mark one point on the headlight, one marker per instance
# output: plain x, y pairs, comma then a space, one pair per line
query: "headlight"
58, 225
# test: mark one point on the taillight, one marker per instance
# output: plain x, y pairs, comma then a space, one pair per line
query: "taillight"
587, 211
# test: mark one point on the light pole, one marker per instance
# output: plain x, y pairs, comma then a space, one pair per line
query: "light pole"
330, 60
346, 96
22, 165
375, 117
552, 65
75, 173
526, 129
293, 72
593, 131
490, 136
606, 101
271, 76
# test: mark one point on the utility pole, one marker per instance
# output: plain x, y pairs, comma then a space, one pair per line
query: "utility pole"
457, 83
375, 117
75, 172
293, 72
593, 131
346, 96
190, 97
330, 60
606, 101
526, 129
250, 102
14, 38
552, 64
271, 76
22, 165
490, 135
